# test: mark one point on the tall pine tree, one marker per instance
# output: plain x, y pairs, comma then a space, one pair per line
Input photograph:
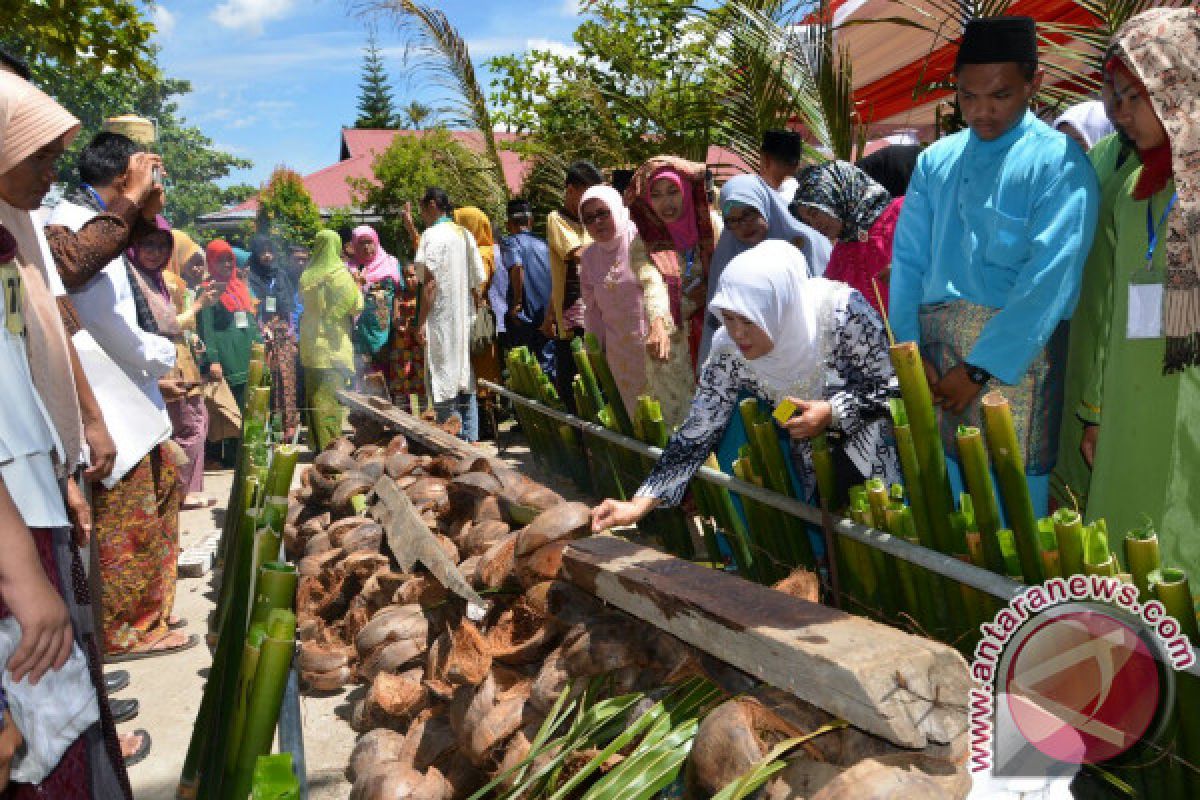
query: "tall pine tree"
375, 106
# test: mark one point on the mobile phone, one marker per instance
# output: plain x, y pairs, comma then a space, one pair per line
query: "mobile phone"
156, 173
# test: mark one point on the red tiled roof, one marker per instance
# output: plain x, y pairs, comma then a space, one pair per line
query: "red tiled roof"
329, 187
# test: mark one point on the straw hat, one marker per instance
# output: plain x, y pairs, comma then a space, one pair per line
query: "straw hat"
140, 129
28, 119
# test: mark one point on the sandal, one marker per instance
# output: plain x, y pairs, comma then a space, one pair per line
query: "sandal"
194, 502
153, 649
143, 750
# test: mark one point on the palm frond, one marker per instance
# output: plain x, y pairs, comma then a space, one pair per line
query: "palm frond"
448, 62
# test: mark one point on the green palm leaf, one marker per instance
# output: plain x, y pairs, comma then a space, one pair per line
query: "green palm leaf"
770, 764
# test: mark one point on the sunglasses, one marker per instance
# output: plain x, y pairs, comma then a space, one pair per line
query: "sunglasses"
596, 216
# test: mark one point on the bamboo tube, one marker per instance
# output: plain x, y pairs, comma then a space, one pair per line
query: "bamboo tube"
584, 366
759, 527
249, 663
794, 533
1010, 474
608, 384
927, 441
276, 590
877, 497
822, 458
732, 524
1097, 558
911, 468
274, 778
1048, 545
1141, 554
274, 661
255, 373
1170, 587
1008, 546
1068, 530
771, 531
894, 516
977, 474
279, 483
258, 350
653, 431
619, 457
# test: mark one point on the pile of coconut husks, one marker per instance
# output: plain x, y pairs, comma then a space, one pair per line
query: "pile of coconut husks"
453, 698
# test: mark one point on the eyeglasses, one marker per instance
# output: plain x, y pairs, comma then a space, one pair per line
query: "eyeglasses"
596, 216
738, 220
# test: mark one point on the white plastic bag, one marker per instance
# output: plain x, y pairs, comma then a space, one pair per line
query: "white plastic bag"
51, 715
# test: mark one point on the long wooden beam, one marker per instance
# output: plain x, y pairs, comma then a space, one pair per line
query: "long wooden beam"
906, 689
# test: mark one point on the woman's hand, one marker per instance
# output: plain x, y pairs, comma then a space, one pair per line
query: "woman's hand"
618, 514
658, 344
698, 293
45, 624
80, 513
1087, 446
810, 419
215, 373
101, 449
11, 741
172, 389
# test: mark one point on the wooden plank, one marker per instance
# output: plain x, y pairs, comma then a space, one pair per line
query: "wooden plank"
906, 689
411, 541
417, 430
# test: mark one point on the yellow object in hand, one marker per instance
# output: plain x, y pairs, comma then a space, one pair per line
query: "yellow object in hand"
784, 411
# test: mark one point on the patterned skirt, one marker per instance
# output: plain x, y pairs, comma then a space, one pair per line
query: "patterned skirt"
949, 331
92, 768
405, 367
137, 534
282, 357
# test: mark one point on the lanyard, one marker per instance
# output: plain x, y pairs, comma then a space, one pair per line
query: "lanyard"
1152, 231
95, 196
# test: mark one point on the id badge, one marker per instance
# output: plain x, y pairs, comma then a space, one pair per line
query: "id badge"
1145, 311
241, 319
270, 304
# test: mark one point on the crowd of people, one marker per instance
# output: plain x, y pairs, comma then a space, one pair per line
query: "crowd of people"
128, 345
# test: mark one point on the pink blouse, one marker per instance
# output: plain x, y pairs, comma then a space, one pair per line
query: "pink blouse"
856, 263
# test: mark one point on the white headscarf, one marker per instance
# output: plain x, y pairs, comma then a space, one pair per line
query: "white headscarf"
1089, 119
769, 285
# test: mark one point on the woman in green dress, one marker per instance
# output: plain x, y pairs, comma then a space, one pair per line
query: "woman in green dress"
1141, 387
228, 329
331, 301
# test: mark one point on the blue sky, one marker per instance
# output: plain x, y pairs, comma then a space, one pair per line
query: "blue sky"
275, 80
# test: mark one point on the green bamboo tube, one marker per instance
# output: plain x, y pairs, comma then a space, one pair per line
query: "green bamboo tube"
1008, 462
771, 531
906, 448
260, 402
732, 524
877, 497
275, 779
274, 661
1097, 558
276, 588
653, 431
279, 483
258, 350
1170, 587
608, 384
767, 568
1051, 561
1068, 530
584, 366
826, 475
249, 663
619, 457
1142, 556
927, 441
900, 568
577, 463
793, 535
973, 458
254, 373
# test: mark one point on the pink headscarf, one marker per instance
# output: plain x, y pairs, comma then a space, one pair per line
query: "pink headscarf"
685, 234
383, 266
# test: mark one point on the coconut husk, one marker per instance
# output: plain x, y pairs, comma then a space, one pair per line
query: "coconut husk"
802, 777
308, 627
563, 522
873, 780
428, 491
367, 451
292, 545
338, 530
333, 463
318, 544
399, 465
801, 584
458, 657
351, 485
295, 510
520, 636
374, 467
423, 590
488, 508
469, 568
315, 657
313, 526
365, 538
392, 657
454, 527
517, 749
444, 466
393, 701
322, 594
540, 565
468, 490
728, 743
479, 538
311, 566
497, 565
428, 739
381, 587
393, 624
397, 444
464, 778
379, 745
448, 547
540, 498
361, 566
391, 780
330, 681
551, 679
570, 605
609, 644
356, 619
405, 482
492, 731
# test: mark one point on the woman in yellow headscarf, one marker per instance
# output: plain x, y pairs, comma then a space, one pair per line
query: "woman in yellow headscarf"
487, 362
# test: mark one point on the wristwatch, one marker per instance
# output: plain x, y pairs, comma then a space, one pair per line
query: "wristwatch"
978, 375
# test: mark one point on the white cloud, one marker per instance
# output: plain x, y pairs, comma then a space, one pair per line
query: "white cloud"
164, 20
569, 8
555, 47
250, 15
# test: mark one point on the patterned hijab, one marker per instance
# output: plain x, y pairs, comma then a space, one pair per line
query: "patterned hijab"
845, 192
383, 266
1162, 47
480, 227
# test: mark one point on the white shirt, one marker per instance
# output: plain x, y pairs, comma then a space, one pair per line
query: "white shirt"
449, 253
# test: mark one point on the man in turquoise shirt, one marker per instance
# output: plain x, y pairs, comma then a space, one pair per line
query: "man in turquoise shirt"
990, 245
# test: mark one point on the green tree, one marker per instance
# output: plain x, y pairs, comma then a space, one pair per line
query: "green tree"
414, 163
286, 210
417, 116
97, 35
376, 108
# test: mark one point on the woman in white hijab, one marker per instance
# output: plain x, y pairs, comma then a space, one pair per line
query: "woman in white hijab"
1086, 123
815, 342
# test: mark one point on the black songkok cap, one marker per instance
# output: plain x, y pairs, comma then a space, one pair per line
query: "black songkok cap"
621, 178
519, 207
787, 146
998, 40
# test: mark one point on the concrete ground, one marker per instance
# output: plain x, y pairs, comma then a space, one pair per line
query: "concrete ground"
169, 687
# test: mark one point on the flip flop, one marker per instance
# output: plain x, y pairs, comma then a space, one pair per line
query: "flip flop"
139, 755
152, 651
